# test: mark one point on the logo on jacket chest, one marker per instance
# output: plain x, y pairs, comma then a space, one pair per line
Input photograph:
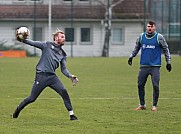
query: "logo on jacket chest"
148, 46
56, 50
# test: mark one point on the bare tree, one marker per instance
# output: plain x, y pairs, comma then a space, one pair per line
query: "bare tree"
107, 24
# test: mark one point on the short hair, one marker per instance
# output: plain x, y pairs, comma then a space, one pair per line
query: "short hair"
151, 22
56, 33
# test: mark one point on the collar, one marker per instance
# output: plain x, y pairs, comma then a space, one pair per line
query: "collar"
150, 34
57, 45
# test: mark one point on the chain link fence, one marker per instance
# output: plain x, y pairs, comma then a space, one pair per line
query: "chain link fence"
167, 15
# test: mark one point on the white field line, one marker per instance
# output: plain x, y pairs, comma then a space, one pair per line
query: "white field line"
102, 98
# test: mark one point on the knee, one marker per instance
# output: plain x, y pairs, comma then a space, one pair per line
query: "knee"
64, 92
31, 99
140, 86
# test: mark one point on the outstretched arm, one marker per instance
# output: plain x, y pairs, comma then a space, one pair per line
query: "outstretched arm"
22, 37
37, 44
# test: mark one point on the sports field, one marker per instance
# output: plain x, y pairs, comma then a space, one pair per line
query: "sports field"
104, 100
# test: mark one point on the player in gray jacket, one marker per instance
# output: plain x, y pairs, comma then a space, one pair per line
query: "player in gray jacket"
52, 56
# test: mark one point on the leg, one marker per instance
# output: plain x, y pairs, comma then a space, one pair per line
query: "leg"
142, 78
60, 89
37, 88
155, 76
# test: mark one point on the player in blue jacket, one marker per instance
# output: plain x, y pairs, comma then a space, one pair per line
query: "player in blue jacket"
52, 57
151, 44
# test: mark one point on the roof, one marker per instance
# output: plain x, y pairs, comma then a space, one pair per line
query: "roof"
128, 9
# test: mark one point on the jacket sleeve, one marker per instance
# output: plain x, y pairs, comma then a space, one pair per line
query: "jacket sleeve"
37, 44
64, 69
137, 47
165, 48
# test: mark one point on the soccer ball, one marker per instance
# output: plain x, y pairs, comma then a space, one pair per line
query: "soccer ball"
22, 33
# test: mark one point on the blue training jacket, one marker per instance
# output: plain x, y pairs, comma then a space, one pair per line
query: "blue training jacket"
150, 51
151, 46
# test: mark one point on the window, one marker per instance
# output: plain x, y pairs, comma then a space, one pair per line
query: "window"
69, 34
117, 36
85, 35
38, 34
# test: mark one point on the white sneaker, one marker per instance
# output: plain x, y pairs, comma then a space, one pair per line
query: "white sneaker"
141, 107
154, 108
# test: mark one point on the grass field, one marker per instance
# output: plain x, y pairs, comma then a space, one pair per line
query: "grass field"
104, 100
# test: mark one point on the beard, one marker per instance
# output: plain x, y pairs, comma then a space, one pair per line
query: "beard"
60, 42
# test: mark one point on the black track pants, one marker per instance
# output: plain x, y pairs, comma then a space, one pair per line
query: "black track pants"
142, 78
41, 82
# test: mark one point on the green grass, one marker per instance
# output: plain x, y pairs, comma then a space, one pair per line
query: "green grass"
104, 100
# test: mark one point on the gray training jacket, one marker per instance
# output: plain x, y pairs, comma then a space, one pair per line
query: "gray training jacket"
52, 56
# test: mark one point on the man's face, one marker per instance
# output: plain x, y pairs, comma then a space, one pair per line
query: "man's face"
60, 39
150, 28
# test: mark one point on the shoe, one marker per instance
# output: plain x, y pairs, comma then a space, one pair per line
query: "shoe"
141, 107
16, 113
154, 108
73, 117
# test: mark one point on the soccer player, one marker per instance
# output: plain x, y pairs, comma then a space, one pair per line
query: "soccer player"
151, 44
52, 57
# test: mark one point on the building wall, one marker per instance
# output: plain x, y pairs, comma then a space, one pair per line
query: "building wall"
53, 2
131, 31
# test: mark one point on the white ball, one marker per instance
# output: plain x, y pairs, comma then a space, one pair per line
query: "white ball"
23, 32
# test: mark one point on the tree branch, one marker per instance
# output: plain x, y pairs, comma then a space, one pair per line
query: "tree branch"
116, 3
